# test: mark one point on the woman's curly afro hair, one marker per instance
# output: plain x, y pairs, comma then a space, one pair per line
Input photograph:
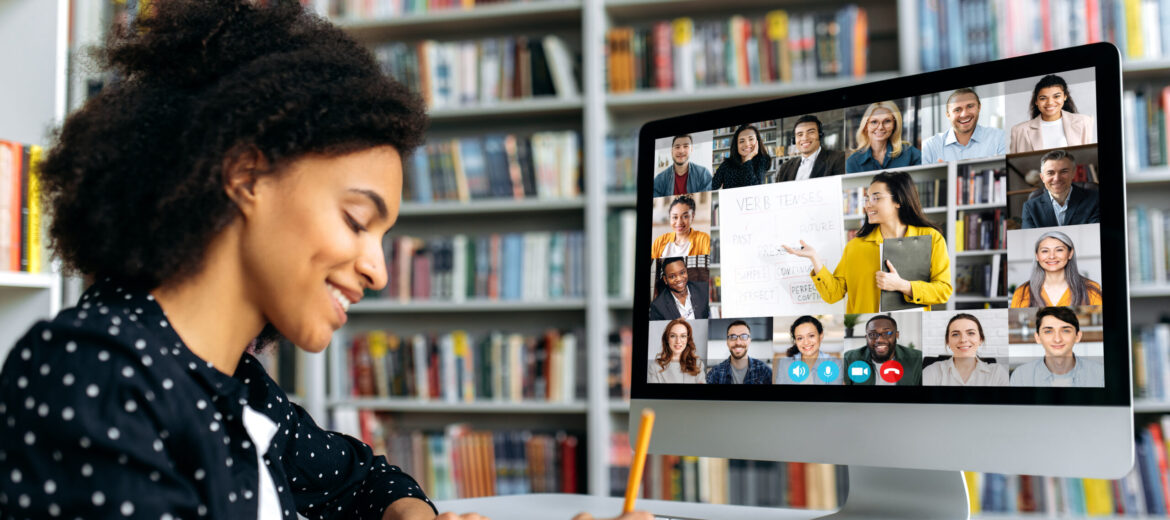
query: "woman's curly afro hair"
133, 182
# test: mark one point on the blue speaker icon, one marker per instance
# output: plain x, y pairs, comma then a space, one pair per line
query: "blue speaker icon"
798, 372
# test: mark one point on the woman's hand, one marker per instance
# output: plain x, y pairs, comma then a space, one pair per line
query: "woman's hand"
891, 281
635, 515
805, 251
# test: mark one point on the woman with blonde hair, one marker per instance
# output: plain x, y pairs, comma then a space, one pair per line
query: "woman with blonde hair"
1055, 279
879, 141
678, 362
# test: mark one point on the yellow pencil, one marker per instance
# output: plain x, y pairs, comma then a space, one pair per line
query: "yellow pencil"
639, 461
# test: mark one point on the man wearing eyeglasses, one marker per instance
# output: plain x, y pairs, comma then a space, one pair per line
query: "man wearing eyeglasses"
881, 350
738, 368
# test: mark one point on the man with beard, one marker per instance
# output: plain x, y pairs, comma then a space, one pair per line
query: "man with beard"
682, 298
881, 346
683, 176
739, 369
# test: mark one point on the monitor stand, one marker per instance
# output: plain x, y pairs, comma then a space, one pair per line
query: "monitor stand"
876, 493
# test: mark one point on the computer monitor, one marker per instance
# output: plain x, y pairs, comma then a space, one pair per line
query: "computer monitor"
926, 273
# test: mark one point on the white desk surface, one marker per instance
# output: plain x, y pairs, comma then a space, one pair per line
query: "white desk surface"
564, 506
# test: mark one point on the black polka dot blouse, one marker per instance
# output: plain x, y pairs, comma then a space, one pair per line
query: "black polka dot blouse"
105, 413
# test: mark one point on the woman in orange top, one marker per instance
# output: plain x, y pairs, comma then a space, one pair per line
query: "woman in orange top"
1055, 279
684, 240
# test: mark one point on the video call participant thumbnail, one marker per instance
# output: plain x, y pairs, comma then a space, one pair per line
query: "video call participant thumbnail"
964, 336
683, 176
738, 368
879, 141
748, 164
815, 160
684, 240
1058, 330
1055, 278
807, 333
881, 345
1055, 122
966, 139
681, 298
892, 210
1060, 203
678, 361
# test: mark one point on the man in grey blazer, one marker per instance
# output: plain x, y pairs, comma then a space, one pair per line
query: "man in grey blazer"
682, 298
682, 176
1061, 203
814, 161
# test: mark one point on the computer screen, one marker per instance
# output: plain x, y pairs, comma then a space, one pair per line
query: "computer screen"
953, 237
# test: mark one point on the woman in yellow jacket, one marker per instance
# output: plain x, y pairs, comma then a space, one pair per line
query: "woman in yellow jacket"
1055, 279
892, 210
684, 240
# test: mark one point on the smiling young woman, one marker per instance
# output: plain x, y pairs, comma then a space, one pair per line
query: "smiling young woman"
234, 186
892, 210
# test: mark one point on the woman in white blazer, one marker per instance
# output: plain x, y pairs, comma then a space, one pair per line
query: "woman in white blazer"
1055, 122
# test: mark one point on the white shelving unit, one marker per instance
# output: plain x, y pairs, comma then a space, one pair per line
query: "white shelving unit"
34, 32
600, 113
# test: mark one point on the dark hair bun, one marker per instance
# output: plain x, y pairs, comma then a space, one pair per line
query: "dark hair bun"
184, 43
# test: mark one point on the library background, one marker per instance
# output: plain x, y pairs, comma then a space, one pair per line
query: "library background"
481, 380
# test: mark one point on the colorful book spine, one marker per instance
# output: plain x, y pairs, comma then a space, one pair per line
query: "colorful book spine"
494, 366
741, 50
21, 214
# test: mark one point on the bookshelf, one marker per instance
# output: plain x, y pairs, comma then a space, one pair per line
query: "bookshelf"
476, 407
34, 105
595, 113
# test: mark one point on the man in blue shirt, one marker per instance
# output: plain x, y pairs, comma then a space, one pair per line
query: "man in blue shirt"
683, 176
965, 139
739, 369
1058, 330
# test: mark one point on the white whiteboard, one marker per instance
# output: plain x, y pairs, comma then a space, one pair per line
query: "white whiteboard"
758, 277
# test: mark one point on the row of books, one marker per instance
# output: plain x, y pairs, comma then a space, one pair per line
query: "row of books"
683, 54
619, 360
981, 230
1144, 120
729, 481
460, 367
1149, 238
986, 186
983, 279
1143, 491
931, 194
531, 266
619, 252
1151, 361
542, 165
20, 208
621, 166
353, 10
466, 73
961, 32
460, 462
